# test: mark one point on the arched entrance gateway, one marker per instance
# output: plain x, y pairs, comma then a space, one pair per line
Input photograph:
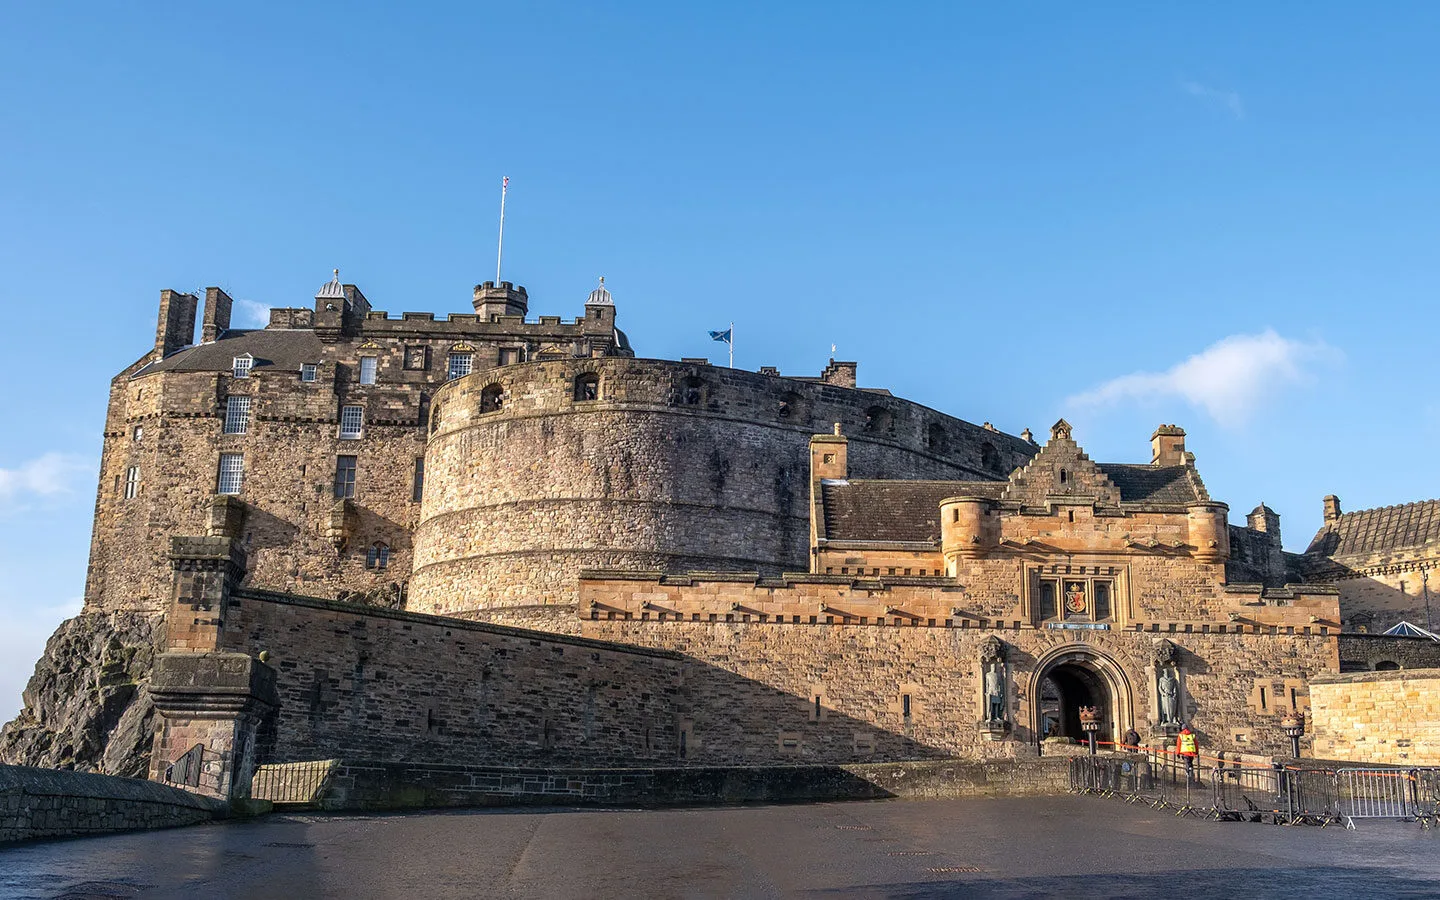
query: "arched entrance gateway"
1076, 675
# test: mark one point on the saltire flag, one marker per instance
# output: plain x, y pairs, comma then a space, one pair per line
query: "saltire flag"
722, 336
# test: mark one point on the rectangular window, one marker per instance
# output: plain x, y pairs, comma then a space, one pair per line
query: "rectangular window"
1048, 591
352, 421
232, 473
132, 482
241, 366
418, 486
368, 365
1102, 600
237, 415
461, 364
345, 477
905, 702
308, 371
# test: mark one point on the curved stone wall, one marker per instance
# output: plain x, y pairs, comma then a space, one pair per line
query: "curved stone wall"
673, 467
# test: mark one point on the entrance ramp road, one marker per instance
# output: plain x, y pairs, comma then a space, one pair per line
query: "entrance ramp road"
1010, 848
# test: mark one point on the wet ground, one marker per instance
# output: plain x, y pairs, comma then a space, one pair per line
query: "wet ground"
1042, 847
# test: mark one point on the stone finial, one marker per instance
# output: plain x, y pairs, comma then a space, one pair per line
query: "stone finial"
1060, 430
1166, 653
993, 650
837, 429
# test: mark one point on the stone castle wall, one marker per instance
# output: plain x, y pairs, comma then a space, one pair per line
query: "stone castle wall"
673, 467
1378, 717
863, 647
380, 685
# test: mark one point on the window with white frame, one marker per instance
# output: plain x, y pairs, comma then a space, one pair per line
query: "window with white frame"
232, 473
368, 366
237, 414
240, 366
308, 371
352, 421
132, 482
461, 364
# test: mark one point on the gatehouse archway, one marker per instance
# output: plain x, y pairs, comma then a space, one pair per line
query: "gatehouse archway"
1073, 676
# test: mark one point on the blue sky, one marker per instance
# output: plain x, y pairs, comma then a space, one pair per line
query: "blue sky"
1222, 217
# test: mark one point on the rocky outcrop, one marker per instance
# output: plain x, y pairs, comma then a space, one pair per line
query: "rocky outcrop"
87, 706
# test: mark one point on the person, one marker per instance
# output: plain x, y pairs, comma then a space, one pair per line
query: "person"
1131, 740
1187, 749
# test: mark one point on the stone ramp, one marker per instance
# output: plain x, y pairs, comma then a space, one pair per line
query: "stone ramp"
49, 803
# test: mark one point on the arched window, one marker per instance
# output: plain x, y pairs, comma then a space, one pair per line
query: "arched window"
878, 420
692, 391
1064, 476
379, 556
936, 440
492, 398
434, 417
587, 386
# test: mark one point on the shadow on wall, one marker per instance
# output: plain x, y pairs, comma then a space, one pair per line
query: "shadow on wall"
387, 686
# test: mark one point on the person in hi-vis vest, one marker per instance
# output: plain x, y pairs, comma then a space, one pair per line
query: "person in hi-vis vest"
1186, 749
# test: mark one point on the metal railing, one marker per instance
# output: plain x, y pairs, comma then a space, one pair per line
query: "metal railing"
293, 782
1282, 795
185, 771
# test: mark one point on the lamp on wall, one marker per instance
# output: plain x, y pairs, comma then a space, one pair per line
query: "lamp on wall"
1294, 727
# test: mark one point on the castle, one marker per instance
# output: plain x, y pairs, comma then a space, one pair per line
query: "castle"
487, 539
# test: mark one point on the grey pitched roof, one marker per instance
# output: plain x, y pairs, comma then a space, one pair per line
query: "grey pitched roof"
1154, 484
893, 510
277, 347
1406, 526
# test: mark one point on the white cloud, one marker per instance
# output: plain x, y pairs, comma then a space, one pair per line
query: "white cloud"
1228, 379
1229, 100
252, 314
50, 475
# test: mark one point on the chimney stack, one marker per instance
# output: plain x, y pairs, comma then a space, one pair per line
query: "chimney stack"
217, 314
176, 327
1332, 508
1167, 446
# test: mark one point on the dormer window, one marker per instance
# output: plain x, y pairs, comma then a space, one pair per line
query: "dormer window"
308, 371
240, 366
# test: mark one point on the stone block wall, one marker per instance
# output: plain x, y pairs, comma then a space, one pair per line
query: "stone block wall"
1377, 717
47, 803
1368, 652
399, 687
673, 467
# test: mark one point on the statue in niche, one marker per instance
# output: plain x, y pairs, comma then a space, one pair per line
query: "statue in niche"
992, 659
1168, 690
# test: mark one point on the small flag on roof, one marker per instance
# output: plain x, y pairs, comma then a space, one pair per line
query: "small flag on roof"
722, 335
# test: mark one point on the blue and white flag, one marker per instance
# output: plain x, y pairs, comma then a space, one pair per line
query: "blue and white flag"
722, 335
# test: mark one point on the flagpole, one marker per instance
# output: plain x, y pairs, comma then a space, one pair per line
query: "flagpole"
500, 246
731, 342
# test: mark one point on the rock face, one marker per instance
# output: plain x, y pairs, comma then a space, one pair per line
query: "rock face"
87, 706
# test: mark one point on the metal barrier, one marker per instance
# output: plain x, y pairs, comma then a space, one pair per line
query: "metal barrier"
294, 782
185, 771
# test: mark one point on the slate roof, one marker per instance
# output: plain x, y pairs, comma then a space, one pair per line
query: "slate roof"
909, 511
893, 510
1409, 525
1154, 484
272, 347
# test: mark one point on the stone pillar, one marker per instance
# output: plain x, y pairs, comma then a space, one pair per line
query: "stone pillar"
209, 702
214, 701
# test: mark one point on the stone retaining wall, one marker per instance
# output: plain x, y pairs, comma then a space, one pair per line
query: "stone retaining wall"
44, 803
382, 786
